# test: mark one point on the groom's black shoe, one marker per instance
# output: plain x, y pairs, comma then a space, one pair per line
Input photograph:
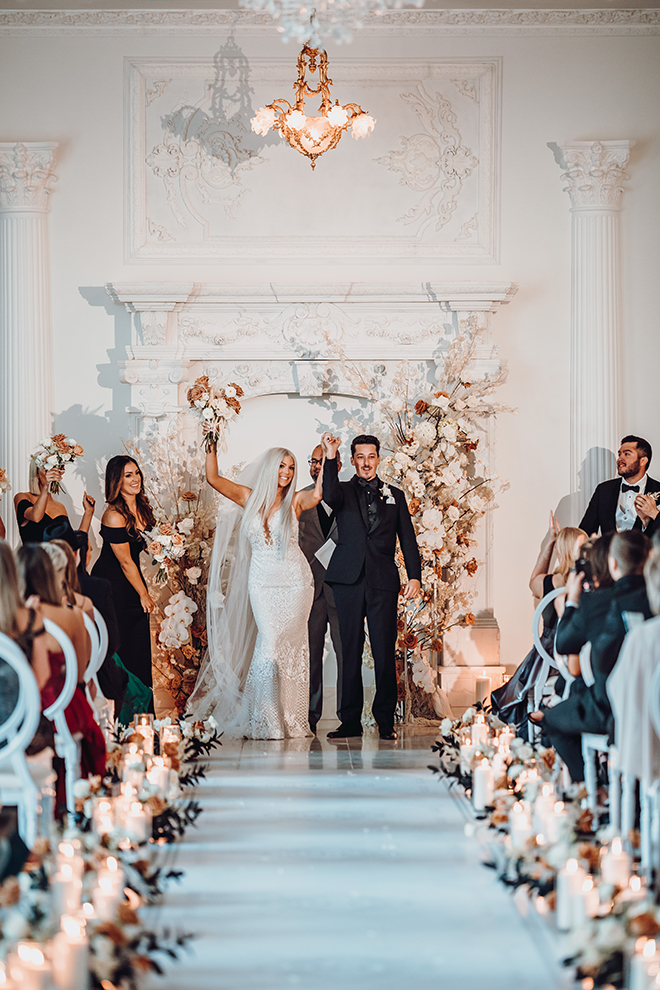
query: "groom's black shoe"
345, 731
388, 734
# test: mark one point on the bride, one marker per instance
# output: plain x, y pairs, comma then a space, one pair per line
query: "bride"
255, 677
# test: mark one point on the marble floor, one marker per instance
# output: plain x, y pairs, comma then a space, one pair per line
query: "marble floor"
342, 867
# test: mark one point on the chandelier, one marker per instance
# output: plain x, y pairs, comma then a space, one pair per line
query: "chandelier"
331, 20
311, 136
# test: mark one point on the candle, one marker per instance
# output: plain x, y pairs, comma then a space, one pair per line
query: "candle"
143, 725
569, 883
29, 967
479, 731
70, 951
520, 825
169, 734
640, 964
482, 786
69, 853
585, 902
137, 823
529, 783
499, 764
554, 821
482, 689
543, 806
467, 752
133, 767
4, 979
615, 865
158, 774
102, 816
66, 887
504, 740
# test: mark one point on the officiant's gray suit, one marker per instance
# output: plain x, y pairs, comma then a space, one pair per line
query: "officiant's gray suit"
324, 612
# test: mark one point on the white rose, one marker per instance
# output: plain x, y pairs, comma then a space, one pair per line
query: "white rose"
397, 405
81, 789
186, 525
193, 574
446, 726
442, 401
216, 599
208, 414
230, 392
453, 512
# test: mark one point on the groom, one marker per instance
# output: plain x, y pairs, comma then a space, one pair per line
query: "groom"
365, 578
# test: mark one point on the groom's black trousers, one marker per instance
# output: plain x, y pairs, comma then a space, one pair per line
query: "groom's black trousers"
355, 602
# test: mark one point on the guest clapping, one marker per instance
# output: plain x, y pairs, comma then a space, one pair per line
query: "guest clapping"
36, 509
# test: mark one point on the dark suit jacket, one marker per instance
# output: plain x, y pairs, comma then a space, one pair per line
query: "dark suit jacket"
601, 511
357, 548
580, 625
311, 539
112, 679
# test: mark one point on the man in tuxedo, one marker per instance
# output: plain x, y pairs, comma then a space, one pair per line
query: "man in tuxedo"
625, 502
316, 527
587, 709
365, 578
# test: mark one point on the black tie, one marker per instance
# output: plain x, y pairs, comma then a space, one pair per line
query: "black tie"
629, 488
371, 490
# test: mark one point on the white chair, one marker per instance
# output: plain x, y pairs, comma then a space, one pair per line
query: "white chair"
536, 693
66, 746
16, 784
104, 710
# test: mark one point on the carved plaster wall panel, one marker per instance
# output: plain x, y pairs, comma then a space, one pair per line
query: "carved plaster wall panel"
203, 187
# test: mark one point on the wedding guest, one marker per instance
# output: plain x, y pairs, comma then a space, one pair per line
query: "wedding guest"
584, 612
23, 625
629, 689
37, 508
64, 564
587, 709
565, 545
625, 502
37, 578
315, 527
127, 516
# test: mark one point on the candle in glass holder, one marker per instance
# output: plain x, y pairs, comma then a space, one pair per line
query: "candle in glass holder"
66, 887
169, 734
143, 724
569, 884
29, 968
482, 786
103, 816
70, 952
479, 731
133, 767
137, 822
615, 864
158, 774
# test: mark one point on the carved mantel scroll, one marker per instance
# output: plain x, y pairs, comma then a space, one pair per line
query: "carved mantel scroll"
287, 339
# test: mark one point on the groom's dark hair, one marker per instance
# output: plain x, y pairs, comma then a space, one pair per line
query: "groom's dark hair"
365, 438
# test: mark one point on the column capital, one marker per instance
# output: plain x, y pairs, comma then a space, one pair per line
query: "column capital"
594, 171
26, 176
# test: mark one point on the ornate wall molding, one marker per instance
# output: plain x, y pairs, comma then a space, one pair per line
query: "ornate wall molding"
26, 176
199, 179
458, 22
286, 339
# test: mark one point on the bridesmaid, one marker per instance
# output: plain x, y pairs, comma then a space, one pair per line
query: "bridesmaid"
128, 514
37, 508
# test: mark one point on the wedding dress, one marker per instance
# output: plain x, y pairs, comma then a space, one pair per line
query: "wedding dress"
276, 696
254, 678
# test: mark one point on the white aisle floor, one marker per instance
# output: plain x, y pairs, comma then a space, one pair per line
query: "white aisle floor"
334, 867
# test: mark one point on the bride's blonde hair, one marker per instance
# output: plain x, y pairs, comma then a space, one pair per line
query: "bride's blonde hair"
263, 495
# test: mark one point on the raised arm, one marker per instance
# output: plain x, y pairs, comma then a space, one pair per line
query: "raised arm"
542, 565
332, 493
237, 493
37, 510
306, 499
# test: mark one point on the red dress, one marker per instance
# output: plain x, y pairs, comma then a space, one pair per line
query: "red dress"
80, 719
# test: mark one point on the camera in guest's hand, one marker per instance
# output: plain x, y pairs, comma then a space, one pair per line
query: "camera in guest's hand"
583, 566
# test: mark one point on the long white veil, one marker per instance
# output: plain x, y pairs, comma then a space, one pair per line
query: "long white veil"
232, 630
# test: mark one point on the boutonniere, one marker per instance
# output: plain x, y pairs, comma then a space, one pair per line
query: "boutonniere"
387, 495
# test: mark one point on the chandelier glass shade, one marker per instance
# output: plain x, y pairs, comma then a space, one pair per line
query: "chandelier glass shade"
331, 20
312, 135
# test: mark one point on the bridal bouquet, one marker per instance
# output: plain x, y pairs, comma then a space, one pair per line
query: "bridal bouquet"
4, 483
169, 543
55, 452
215, 407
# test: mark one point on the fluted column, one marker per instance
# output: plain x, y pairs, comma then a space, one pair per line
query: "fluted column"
594, 171
26, 178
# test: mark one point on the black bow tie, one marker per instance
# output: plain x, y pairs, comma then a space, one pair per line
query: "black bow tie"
374, 483
629, 488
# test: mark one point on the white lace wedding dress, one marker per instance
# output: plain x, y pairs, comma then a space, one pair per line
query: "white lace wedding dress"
276, 695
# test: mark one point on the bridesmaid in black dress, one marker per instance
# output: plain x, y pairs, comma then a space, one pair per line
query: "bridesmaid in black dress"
127, 516
36, 509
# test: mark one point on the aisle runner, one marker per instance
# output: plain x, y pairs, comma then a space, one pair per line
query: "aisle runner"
341, 868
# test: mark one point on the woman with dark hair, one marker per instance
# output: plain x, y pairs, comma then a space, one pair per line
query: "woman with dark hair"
128, 514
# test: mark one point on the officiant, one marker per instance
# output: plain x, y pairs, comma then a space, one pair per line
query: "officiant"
317, 535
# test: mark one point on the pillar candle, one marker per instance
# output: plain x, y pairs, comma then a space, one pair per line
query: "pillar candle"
70, 956
585, 902
69, 852
520, 825
504, 740
554, 822
66, 888
640, 964
482, 689
29, 967
103, 816
137, 823
569, 883
615, 865
158, 774
482, 786
479, 731
467, 752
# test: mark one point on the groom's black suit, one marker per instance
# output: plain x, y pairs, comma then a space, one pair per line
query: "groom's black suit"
601, 511
365, 582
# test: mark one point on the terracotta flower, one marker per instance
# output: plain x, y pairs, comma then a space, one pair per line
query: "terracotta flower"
643, 925
438, 394
400, 624
470, 619
472, 567
198, 391
112, 931
414, 506
233, 403
471, 444
10, 892
436, 645
177, 540
410, 641
78, 450
165, 529
421, 407
189, 497
126, 914
3, 475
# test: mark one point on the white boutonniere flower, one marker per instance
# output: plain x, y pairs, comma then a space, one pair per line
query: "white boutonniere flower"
387, 495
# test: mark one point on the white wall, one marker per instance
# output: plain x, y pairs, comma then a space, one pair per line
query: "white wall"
71, 90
